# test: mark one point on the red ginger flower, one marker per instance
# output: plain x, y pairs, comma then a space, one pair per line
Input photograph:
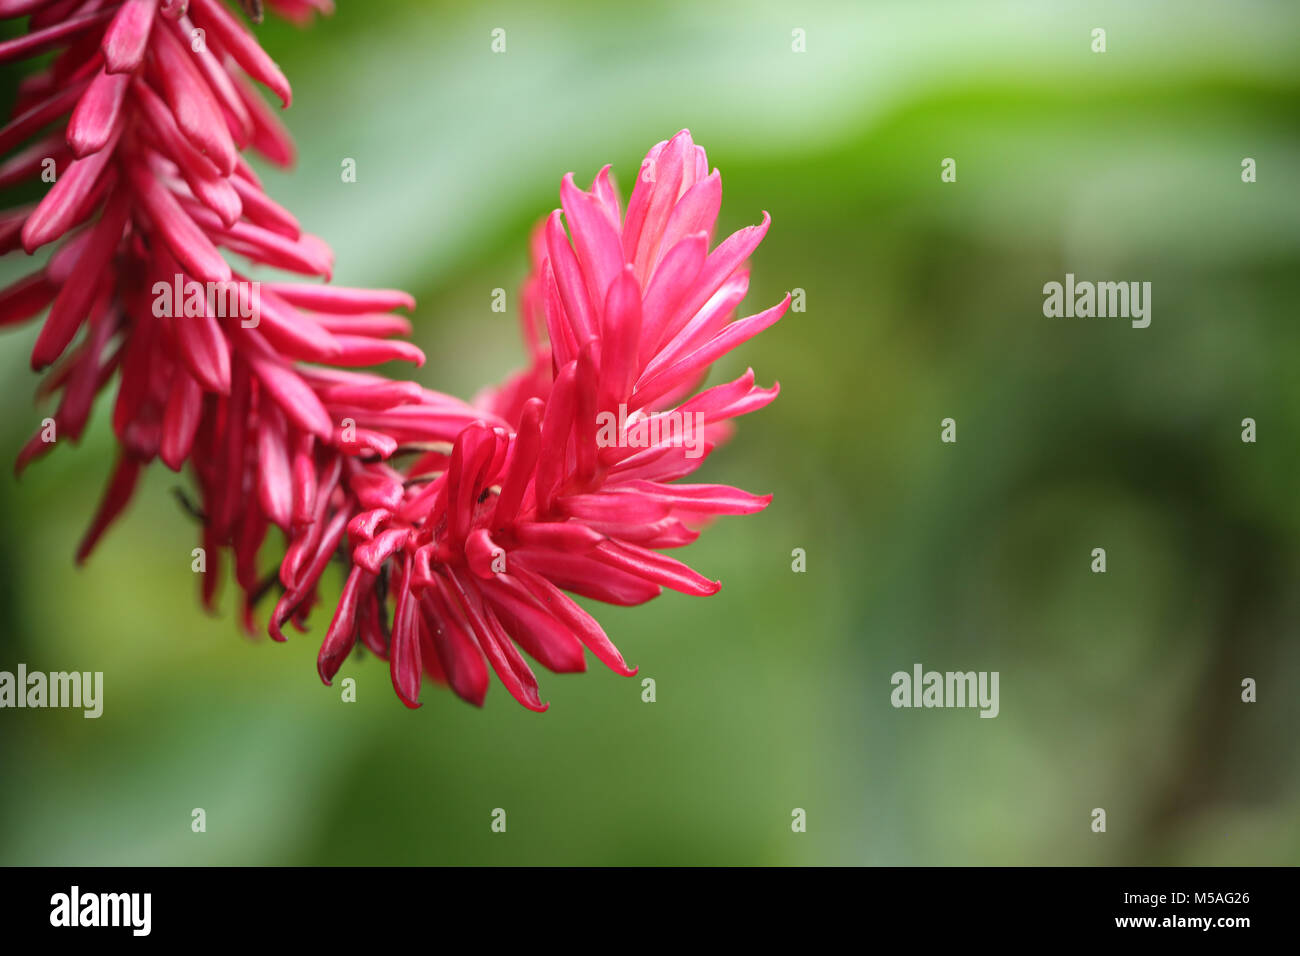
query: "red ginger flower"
150, 184
560, 480
567, 483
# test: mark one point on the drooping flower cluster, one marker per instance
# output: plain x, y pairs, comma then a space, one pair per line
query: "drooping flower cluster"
461, 526
149, 185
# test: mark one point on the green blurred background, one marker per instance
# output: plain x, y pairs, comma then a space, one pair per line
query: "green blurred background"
924, 301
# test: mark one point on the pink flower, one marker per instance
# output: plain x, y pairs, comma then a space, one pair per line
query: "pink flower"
567, 483
564, 479
150, 188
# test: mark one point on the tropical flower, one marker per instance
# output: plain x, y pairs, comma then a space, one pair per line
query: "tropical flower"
149, 187
569, 482
564, 479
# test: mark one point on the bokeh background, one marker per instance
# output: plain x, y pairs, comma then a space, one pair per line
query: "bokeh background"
924, 301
